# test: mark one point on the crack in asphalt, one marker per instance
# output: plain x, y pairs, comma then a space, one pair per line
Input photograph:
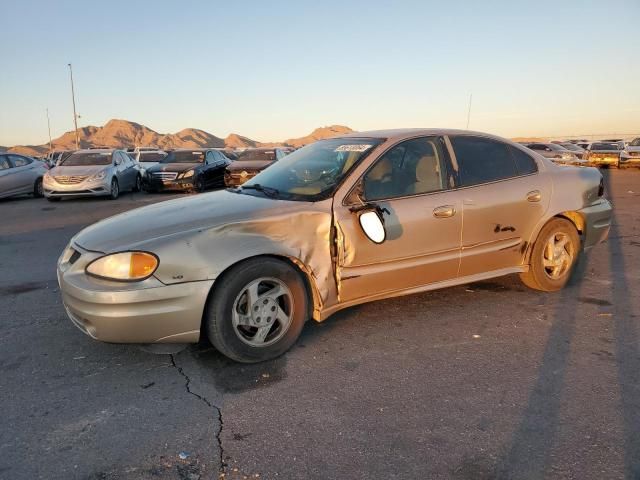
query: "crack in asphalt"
218, 435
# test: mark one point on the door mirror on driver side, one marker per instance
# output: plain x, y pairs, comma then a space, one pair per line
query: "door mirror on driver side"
372, 225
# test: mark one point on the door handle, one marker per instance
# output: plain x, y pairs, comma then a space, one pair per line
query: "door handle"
534, 196
445, 211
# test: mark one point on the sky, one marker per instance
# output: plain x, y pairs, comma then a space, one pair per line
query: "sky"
273, 70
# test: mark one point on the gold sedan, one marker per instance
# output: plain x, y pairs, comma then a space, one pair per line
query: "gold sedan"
340, 222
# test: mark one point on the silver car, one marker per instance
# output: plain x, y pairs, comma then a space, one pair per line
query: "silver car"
20, 175
103, 172
556, 153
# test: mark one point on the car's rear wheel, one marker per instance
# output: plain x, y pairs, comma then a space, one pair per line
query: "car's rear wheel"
38, 189
553, 257
138, 185
258, 312
114, 193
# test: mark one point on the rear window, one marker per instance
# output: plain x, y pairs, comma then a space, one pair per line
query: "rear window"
257, 155
482, 160
604, 146
151, 156
88, 158
185, 157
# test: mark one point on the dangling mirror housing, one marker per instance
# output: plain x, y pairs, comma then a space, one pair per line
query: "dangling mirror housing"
371, 221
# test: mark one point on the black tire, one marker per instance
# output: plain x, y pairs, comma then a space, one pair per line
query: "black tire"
38, 189
114, 193
53, 199
138, 185
543, 277
199, 184
218, 314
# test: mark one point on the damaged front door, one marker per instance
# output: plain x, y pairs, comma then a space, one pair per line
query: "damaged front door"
410, 185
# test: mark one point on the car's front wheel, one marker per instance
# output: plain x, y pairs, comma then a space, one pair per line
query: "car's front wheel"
38, 189
138, 185
115, 190
553, 257
258, 312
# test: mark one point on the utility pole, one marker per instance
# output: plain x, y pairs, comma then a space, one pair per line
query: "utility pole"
469, 111
49, 128
75, 116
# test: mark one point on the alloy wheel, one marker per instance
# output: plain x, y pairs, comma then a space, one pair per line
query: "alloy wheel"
262, 312
558, 255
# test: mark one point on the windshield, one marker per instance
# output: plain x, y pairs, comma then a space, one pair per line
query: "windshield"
635, 143
257, 155
314, 172
89, 158
184, 157
604, 146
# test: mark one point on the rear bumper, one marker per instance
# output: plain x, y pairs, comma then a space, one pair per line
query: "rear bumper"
603, 162
597, 223
630, 162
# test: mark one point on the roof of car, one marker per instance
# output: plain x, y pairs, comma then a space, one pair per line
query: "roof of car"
398, 133
95, 150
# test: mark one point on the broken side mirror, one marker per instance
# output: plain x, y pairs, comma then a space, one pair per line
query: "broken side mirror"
372, 224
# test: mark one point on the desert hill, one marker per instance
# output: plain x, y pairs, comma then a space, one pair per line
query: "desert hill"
124, 134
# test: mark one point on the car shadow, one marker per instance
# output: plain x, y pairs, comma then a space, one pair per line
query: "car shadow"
528, 455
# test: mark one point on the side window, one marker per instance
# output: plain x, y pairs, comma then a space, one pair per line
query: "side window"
482, 160
410, 168
537, 146
4, 162
525, 165
19, 161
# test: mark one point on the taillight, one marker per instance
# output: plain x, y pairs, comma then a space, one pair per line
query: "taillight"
601, 187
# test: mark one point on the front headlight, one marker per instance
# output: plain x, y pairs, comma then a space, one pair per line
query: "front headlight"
99, 175
187, 174
47, 178
124, 266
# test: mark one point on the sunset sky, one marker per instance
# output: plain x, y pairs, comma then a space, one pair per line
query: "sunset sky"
274, 70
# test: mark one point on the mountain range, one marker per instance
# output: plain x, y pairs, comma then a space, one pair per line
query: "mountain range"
124, 134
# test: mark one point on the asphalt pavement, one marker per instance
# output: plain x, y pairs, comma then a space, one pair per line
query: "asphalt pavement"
483, 381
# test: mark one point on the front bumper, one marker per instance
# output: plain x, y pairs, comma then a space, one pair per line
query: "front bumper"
83, 189
177, 184
135, 312
597, 221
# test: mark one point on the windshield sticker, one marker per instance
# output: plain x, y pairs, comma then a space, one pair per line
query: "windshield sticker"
352, 148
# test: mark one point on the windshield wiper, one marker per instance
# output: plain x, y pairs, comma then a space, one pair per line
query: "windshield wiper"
268, 191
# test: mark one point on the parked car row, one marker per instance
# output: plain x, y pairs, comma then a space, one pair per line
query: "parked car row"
103, 171
107, 172
604, 153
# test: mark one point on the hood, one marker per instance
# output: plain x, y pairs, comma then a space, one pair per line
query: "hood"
173, 167
79, 171
238, 166
131, 229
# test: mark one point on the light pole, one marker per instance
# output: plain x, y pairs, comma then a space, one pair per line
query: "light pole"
75, 116
469, 111
49, 128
